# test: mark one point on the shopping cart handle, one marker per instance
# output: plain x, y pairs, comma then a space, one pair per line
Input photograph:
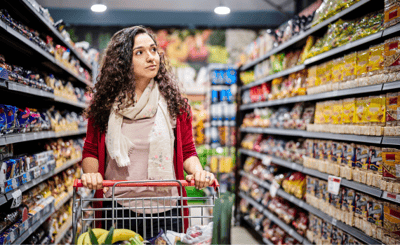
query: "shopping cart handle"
142, 183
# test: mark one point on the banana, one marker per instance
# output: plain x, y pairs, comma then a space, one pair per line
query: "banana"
99, 232
86, 239
81, 238
120, 235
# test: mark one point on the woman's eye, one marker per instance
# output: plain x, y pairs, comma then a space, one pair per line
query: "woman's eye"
154, 49
138, 52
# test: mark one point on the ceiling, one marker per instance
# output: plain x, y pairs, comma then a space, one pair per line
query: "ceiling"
174, 5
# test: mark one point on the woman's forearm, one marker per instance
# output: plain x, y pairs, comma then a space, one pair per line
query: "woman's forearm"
90, 165
192, 165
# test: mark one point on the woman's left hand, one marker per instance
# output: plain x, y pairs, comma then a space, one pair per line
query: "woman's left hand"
202, 179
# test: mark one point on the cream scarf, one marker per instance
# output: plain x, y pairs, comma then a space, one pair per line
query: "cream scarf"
160, 163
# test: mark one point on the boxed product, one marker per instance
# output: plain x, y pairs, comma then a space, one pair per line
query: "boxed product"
392, 219
375, 212
362, 157
349, 154
375, 162
348, 200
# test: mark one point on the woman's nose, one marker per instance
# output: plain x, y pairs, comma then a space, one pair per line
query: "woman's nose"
150, 57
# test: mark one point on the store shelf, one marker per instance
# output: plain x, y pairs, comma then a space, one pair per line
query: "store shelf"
317, 135
305, 34
27, 44
23, 137
343, 48
259, 232
300, 203
42, 178
391, 30
273, 218
391, 197
28, 90
34, 227
276, 75
388, 140
322, 96
373, 191
66, 101
64, 229
27, 8
64, 200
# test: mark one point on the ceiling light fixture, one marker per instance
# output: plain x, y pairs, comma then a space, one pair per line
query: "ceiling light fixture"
98, 7
222, 9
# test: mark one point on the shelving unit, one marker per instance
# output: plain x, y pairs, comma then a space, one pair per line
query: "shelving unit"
275, 219
297, 167
265, 240
64, 229
23, 52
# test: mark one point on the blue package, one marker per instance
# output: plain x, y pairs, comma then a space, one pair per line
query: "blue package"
214, 77
3, 119
231, 76
3, 73
23, 120
222, 95
11, 118
229, 95
9, 168
214, 96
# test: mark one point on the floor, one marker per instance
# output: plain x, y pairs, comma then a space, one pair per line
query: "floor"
240, 235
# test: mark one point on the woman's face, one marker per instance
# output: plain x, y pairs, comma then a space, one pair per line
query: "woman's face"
145, 59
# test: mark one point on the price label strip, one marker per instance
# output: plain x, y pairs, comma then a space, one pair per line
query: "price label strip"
17, 198
334, 184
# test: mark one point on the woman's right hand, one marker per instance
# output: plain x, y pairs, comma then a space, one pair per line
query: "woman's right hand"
93, 181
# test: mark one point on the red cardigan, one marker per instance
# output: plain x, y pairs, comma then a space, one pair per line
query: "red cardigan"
184, 148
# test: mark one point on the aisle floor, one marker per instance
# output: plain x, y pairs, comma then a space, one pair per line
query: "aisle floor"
240, 235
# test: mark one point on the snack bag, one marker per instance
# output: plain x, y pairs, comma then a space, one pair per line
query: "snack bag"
361, 111
375, 159
11, 118
391, 54
337, 112
3, 119
362, 63
23, 120
377, 109
392, 13
312, 76
349, 110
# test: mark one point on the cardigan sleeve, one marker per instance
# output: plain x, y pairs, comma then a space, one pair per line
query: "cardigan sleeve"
90, 148
188, 147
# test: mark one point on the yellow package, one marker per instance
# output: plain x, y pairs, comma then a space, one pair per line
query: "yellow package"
376, 58
328, 71
362, 63
349, 108
327, 113
320, 75
361, 113
350, 62
377, 109
392, 13
337, 70
319, 118
337, 112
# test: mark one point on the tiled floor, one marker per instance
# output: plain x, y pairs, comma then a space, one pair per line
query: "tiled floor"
240, 235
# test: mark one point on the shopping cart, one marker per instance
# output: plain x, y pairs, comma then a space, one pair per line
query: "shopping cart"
200, 208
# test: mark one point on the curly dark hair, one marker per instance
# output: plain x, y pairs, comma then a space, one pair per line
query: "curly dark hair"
116, 75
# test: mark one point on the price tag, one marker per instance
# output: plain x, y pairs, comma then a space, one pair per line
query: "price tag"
291, 199
23, 137
301, 204
294, 165
14, 183
267, 160
334, 184
17, 198
274, 188
334, 222
391, 196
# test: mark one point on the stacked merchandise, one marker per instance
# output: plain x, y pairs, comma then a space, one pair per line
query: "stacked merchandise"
220, 136
351, 54
40, 64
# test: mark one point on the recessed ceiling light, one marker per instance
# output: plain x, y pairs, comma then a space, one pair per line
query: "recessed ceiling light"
222, 10
98, 7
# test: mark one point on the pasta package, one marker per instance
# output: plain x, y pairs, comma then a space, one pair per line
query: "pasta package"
362, 63
376, 109
350, 62
375, 159
375, 212
392, 109
312, 76
349, 109
361, 111
361, 205
391, 221
337, 112
337, 70
362, 157
376, 58
348, 199
349, 154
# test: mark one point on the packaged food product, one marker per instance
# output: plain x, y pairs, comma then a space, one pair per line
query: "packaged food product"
392, 13
336, 200
312, 76
349, 69
392, 109
336, 152
361, 111
326, 232
375, 212
362, 63
337, 70
377, 109
311, 185
391, 163
349, 154
348, 199
391, 54
337, 112
337, 236
391, 221
362, 200
375, 162
362, 157
349, 109
376, 58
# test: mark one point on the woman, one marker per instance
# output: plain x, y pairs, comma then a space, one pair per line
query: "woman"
139, 128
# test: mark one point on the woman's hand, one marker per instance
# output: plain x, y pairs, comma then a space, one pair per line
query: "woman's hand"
202, 179
93, 181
